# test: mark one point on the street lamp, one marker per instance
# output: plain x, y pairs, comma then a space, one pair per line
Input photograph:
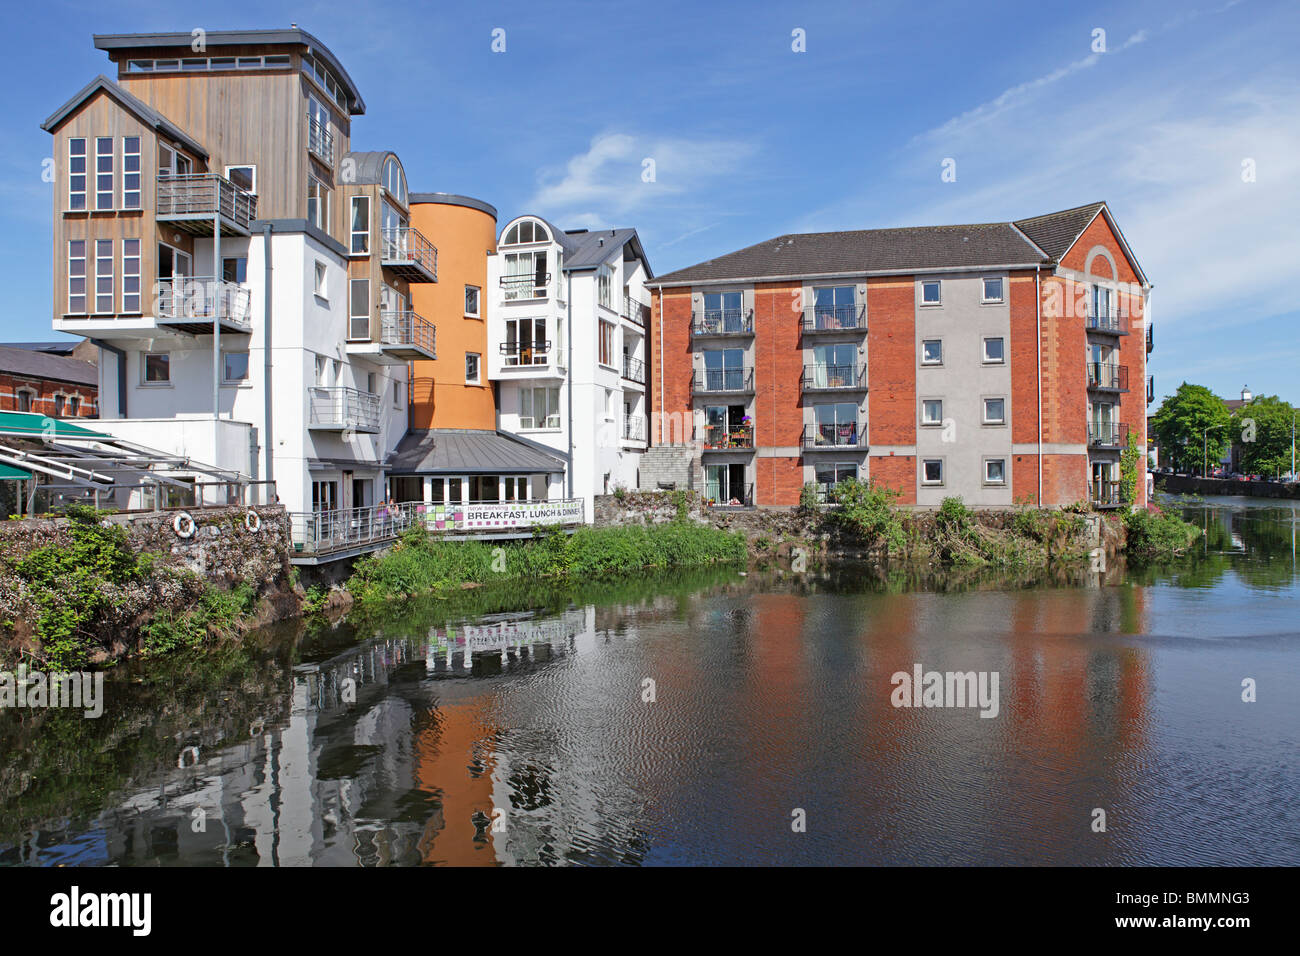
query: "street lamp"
1205, 449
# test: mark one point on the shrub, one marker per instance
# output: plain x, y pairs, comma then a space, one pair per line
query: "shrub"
866, 509
1151, 533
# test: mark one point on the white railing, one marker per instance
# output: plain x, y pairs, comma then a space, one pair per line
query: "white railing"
341, 407
200, 297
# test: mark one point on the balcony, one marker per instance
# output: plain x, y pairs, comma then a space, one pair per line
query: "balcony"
633, 369
200, 203
724, 381
728, 437
834, 318
191, 304
320, 140
722, 322
1106, 434
834, 437
635, 312
528, 354
1114, 323
408, 254
1104, 494
524, 288
834, 378
742, 497
403, 336
634, 428
1107, 377
338, 409
1151, 341
1151, 389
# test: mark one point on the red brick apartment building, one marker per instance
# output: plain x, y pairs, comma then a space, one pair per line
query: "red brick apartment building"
1001, 362
49, 379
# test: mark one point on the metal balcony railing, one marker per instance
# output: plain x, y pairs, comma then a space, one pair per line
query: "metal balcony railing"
633, 369
745, 498
342, 407
320, 140
634, 311
1151, 341
634, 428
835, 318
1105, 375
527, 353
407, 250
724, 380
184, 298
1116, 322
834, 377
1151, 389
721, 437
1105, 494
404, 328
1106, 434
204, 195
722, 322
530, 286
831, 436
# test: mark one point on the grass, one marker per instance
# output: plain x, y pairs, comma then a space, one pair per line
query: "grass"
1156, 533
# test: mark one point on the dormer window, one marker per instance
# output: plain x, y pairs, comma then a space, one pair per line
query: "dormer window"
527, 231
395, 180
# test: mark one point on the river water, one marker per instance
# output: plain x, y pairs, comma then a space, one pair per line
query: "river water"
712, 718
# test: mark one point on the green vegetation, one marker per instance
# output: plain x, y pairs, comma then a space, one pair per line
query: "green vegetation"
866, 511
1130, 462
421, 563
1181, 427
1262, 430
1158, 533
216, 611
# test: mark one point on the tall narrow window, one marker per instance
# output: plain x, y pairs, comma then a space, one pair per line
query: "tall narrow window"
318, 202
359, 309
77, 277
103, 276
77, 173
360, 225
131, 172
104, 172
605, 286
130, 275
606, 342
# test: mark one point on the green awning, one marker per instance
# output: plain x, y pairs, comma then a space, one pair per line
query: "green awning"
26, 423
9, 471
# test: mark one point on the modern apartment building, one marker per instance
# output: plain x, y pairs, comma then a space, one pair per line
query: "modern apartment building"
247, 276
567, 348
1001, 362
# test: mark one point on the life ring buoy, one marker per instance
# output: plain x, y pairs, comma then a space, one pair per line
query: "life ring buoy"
183, 525
252, 521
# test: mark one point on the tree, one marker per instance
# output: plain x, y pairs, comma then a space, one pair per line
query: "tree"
1181, 426
1262, 431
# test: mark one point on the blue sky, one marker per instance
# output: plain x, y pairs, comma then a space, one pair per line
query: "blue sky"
751, 139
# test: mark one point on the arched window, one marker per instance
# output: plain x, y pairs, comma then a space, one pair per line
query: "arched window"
395, 179
527, 231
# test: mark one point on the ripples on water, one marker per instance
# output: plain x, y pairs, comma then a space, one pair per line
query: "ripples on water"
524, 738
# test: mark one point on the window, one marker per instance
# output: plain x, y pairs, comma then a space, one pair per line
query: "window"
995, 471
992, 290
834, 307
172, 162
995, 411
609, 404
58, 405
932, 411
471, 368
827, 476
526, 276
526, 342
77, 173
26, 398
245, 177
397, 394
319, 140
77, 277
724, 370
372, 383
103, 276
526, 231
320, 279
234, 367
318, 202
539, 407
104, 172
157, 368
834, 366
316, 70
993, 351
360, 225
836, 424
930, 292
471, 301
723, 312
395, 180
234, 269
130, 275
932, 352
321, 370
131, 172
359, 309
1101, 302
932, 471
606, 342
74, 406
605, 286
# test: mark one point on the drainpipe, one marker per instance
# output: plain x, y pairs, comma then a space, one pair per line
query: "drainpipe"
1038, 357
267, 455
218, 291
121, 374
569, 369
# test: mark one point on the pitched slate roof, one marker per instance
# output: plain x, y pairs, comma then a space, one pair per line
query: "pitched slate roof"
137, 106
1056, 232
587, 250
452, 451
34, 364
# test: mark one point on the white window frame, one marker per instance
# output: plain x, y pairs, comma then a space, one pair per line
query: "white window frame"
601, 327
144, 370
84, 259
248, 371
83, 192
353, 232
110, 275
322, 202
111, 173
321, 280
32, 398
984, 410
131, 301
1002, 290
990, 481
935, 282
477, 378
478, 302
353, 314
928, 482
253, 177
984, 349
397, 393
551, 421
928, 361
931, 422
132, 197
